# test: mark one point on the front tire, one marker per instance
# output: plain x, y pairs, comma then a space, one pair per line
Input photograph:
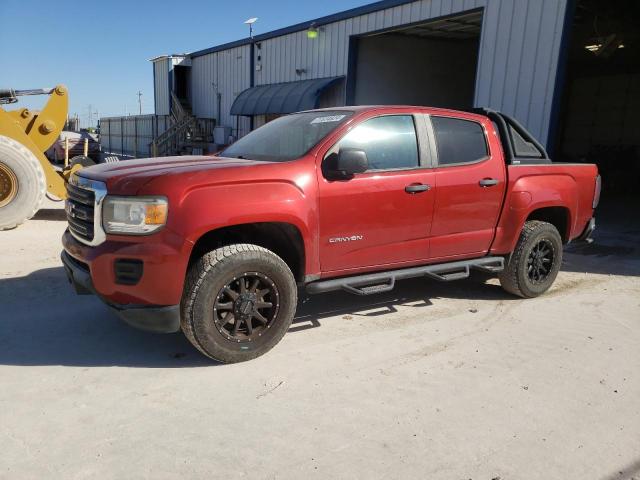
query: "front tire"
535, 262
238, 302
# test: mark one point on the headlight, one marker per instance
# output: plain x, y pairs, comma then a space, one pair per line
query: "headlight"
134, 215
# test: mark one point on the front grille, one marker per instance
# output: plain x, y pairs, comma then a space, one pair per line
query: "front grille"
84, 209
80, 209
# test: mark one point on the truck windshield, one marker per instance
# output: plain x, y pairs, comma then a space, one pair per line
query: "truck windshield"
287, 138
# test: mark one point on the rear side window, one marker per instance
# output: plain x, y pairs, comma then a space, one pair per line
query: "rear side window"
389, 142
459, 141
522, 147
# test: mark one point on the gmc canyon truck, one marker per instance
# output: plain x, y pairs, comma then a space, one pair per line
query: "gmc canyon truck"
350, 199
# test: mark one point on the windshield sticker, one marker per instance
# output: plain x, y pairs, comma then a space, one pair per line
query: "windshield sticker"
331, 118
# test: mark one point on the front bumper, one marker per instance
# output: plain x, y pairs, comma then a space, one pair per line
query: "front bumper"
152, 318
164, 256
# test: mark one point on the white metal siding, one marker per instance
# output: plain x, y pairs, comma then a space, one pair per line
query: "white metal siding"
131, 136
161, 78
517, 65
226, 72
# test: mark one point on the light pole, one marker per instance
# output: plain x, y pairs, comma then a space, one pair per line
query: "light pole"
140, 101
252, 68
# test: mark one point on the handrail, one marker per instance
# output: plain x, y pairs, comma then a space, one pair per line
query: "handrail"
180, 113
184, 128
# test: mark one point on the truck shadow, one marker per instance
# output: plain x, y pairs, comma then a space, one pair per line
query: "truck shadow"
416, 293
43, 322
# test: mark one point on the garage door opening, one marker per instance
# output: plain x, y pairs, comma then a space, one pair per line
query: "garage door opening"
432, 63
598, 120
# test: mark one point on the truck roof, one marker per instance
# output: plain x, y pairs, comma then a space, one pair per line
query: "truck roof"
423, 108
518, 144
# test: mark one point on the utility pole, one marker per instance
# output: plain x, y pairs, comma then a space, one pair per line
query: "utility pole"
140, 101
90, 117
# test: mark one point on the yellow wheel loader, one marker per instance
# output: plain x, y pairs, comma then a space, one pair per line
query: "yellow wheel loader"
26, 175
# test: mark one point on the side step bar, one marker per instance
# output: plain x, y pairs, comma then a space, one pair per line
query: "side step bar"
371, 283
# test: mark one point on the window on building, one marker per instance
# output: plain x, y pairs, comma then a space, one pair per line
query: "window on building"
390, 142
459, 141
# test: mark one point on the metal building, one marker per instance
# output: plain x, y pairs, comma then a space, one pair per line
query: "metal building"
545, 62
461, 53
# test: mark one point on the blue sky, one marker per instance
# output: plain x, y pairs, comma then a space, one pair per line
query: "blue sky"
101, 49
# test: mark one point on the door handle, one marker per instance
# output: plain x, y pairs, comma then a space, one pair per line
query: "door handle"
488, 182
417, 188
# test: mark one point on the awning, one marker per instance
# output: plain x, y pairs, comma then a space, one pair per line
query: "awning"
286, 97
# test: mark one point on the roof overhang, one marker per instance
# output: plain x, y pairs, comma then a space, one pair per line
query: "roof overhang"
281, 98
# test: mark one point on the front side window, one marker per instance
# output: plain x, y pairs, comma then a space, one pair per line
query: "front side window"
390, 142
287, 138
459, 141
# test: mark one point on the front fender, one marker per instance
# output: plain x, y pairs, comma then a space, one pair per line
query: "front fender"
211, 207
525, 196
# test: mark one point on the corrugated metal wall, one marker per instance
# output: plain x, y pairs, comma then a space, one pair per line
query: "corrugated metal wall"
130, 136
227, 73
161, 83
518, 56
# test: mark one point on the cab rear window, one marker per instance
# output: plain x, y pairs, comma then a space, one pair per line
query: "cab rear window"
459, 141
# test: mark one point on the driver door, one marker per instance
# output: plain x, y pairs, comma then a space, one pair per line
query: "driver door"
382, 216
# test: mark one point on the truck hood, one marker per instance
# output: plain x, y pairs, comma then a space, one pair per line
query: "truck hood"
127, 177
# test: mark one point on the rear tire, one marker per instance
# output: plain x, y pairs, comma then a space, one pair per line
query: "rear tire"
22, 183
535, 262
238, 302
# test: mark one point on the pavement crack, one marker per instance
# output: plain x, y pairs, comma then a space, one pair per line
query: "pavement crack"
271, 390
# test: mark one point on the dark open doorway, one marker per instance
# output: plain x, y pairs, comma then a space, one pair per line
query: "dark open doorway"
431, 63
182, 76
598, 120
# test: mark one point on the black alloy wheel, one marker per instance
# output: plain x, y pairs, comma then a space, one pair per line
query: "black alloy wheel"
246, 306
540, 261
535, 262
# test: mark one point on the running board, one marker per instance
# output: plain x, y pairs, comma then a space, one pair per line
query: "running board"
371, 283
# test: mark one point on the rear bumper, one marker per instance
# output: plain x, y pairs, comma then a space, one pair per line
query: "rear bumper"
152, 318
585, 236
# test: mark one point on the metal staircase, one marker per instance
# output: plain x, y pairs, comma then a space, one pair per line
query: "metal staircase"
185, 134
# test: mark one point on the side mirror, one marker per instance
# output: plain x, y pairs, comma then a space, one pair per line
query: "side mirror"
345, 164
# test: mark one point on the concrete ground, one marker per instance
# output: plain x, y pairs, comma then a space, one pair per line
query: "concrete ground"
437, 381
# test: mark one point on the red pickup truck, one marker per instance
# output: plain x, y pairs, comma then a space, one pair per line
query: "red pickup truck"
350, 198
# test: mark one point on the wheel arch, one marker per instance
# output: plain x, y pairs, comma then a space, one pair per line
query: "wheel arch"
558, 216
282, 238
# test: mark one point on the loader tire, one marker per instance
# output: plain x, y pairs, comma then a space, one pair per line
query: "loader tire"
22, 183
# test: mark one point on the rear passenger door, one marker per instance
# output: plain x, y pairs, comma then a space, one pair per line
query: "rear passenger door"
470, 184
